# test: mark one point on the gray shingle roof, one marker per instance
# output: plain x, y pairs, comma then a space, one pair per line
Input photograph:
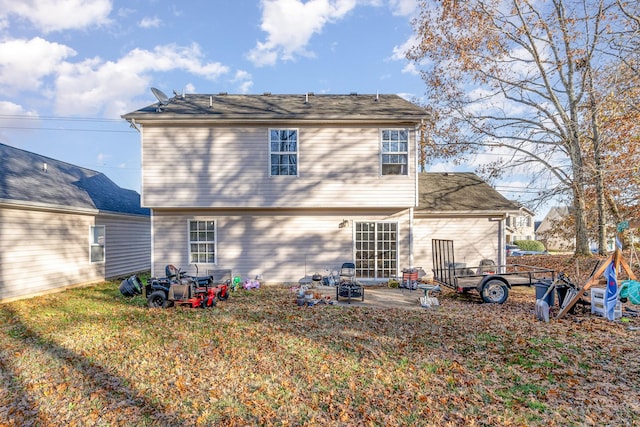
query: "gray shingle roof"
459, 192
23, 179
283, 107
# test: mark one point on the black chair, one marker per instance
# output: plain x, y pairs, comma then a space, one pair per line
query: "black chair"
348, 287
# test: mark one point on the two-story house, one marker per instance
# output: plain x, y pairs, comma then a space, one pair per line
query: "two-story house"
521, 225
282, 186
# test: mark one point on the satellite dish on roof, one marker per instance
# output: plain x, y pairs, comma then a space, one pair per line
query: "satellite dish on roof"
162, 98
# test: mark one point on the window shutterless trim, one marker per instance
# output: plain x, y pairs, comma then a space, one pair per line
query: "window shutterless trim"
213, 242
282, 153
401, 156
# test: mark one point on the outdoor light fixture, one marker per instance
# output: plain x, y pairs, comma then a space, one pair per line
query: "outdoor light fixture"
344, 223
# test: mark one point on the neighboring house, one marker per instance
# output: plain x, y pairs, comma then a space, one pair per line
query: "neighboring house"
520, 226
548, 236
62, 225
283, 186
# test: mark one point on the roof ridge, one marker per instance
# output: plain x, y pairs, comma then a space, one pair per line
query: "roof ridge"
51, 158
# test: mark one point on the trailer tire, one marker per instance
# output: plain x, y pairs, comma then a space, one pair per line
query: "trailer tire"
495, 292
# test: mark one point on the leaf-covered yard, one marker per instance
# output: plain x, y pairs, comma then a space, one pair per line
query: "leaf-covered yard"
92, 357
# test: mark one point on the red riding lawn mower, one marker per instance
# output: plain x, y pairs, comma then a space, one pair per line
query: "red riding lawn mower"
179, 288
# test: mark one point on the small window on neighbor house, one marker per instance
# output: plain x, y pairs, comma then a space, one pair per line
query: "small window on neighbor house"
395, 151
202, 242
96, 243
283, 150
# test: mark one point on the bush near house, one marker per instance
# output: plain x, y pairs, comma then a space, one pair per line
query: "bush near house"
530, 245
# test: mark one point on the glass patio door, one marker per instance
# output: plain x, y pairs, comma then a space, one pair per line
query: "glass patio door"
376, 245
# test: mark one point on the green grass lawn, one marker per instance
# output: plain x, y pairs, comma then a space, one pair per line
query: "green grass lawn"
92, 357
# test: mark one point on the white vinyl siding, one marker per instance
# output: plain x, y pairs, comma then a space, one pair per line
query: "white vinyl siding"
218, 167
54, 257
474, 239
128, 244
282, 247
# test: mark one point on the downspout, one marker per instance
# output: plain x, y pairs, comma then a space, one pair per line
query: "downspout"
152, 244
411, 237
416, 191
416, 163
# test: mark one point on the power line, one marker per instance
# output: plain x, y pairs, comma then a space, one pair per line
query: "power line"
59, 118
68, 130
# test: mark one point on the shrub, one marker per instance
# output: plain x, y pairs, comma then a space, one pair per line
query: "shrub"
530, 245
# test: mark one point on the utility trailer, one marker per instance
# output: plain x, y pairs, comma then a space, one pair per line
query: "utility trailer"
492, 281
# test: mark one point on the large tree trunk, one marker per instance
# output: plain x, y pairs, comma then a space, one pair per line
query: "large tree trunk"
579, 198
579, 212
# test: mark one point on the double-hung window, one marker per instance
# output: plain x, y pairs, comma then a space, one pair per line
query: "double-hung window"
395, 151
96, 243
283, 150
202, 241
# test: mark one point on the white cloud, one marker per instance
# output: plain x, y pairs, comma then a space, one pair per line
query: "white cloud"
8, 113
148, 22
290, 24
400, 52
245, 87
411, 68
94, 86
125, 12
103, 158
24, 63
58, 15
244, 80
403, 7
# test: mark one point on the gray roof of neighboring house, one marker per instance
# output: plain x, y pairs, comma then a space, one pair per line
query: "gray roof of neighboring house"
270, 107
23, 178
461, 192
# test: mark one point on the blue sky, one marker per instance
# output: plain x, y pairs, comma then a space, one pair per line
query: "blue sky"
69, 69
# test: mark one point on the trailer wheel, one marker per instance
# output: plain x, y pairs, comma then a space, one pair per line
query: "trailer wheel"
495, 291
157, 299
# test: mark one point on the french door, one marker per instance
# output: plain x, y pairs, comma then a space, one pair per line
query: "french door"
376, 245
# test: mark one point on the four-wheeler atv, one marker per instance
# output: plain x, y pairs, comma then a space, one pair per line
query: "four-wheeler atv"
181, 289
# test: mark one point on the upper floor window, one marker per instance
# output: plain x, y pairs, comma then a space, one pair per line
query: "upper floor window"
523, 221
96, 243
395, 152
202, 242
283, 149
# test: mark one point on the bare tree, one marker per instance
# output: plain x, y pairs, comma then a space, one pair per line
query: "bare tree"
517, 78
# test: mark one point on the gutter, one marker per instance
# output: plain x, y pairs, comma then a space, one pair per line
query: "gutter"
23, 204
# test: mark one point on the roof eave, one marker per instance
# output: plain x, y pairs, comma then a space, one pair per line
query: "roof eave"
465, 213
176, 119
23, 204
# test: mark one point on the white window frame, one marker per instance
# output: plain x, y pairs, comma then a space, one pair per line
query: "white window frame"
285, 153
97, 241
213, 242
377, 251
394, 152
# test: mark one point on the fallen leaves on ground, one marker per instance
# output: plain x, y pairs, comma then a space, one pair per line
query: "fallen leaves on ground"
93, 357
